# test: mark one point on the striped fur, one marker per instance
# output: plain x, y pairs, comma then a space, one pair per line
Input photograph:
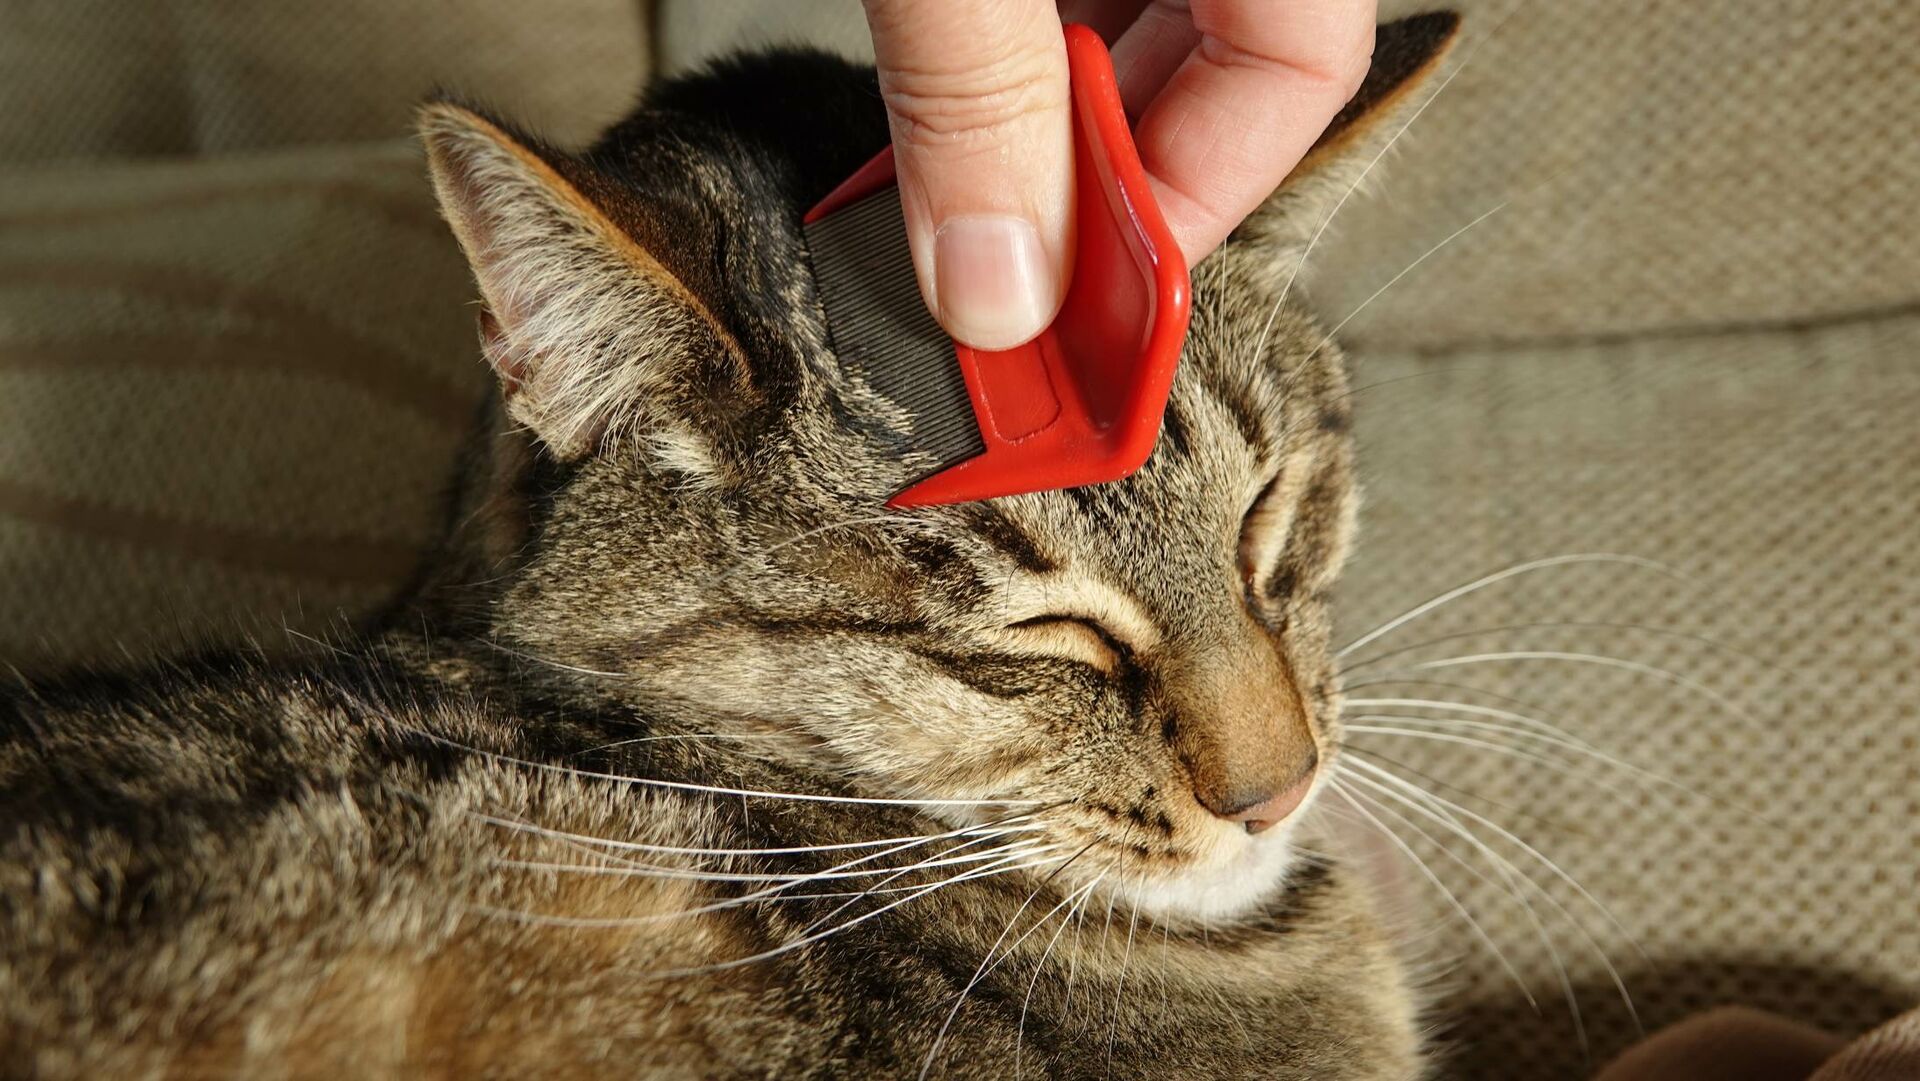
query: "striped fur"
487, 841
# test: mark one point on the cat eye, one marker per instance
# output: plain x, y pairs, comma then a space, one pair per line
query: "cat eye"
1077, 637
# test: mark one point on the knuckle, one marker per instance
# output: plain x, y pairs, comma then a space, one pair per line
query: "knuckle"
984, 104
1342, 72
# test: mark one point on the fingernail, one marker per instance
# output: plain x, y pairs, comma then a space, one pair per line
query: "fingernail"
992, 280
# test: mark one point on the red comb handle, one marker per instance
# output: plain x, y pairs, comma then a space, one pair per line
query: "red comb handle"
1081, 403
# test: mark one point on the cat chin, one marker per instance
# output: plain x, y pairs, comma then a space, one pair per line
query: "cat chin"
1241, 875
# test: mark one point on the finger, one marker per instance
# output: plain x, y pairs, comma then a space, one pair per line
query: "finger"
1152, 49
1246, 104
1108, 18
977, 94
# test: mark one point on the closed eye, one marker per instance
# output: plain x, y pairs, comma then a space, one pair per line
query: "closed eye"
1076, 637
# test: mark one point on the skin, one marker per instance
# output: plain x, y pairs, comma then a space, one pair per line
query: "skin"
1228, 96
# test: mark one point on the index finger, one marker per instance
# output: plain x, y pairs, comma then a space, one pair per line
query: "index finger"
1246, 104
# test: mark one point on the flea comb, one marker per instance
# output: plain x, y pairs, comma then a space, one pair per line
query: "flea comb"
1081, 403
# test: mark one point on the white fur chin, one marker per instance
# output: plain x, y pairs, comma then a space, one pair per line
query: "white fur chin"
1239, 875
1243, 874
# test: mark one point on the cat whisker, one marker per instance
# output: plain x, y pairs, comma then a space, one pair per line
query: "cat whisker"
1516, 732
1495, 578
978, 833
878, 886
1314, 241
719, 790
1440, 806
1511, 888
1522, 753
1447, 813
1337, 785
987, 962
632, 869
1007, 863
1079, 905
680, 735
1408, 269
1471, 709
1569, 744
1019, 862
548, 662
1553, 624
1476, 709
898, 843
1601, 659
1126, 970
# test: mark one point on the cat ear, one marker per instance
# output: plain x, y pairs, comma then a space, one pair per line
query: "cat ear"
593, 338
1406, 54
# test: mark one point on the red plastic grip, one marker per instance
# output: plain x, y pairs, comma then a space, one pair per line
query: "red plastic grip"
1081, 403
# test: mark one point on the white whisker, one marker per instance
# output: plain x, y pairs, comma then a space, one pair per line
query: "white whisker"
1471, 709
1013, 865
1085, 892
681, 850
1445, 811
987, 962
1500, 576
1442, 803
1314, 241
688, 786
1338, 787
979, 833
1552, 624
1506, 750
1622, 663
1424, 256
642, 870
1508, 885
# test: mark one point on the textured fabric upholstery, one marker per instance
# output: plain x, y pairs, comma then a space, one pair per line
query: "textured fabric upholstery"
230, 391
1778, 865
235, 353
112, 78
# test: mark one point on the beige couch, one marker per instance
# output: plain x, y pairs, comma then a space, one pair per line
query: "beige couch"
235, 359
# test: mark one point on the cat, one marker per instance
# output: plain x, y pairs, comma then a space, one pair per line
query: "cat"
688, 760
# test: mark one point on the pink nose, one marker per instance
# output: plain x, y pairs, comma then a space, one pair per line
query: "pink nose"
1268, 812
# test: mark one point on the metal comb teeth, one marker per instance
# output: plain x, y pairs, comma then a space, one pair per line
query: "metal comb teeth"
881, 328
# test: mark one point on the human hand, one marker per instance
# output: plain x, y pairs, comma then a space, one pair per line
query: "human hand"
1227, 96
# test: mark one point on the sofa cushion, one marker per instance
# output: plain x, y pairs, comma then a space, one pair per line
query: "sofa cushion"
112, 78
1775, 473
230, 393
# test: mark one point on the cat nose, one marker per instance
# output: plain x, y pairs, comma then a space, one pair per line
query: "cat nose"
1259, 811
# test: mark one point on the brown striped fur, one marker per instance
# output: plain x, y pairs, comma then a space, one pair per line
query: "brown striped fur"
390, 857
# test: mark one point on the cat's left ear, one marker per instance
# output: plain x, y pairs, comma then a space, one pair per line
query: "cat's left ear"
1406, 55
593, 338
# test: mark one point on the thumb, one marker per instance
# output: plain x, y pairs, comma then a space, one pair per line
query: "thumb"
977, 95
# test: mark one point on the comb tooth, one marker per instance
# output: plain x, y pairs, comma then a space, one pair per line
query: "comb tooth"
882, 330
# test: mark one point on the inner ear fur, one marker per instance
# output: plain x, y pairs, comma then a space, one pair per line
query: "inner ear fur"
593, 337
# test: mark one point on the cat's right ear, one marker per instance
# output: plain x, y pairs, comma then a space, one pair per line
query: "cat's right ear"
1407, 54
593, 338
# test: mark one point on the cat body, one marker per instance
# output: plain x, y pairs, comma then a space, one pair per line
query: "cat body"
688, 760
272, 872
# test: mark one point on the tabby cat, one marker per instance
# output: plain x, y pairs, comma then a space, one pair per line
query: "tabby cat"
688, 760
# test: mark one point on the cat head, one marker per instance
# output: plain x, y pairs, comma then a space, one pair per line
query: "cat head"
1146, 662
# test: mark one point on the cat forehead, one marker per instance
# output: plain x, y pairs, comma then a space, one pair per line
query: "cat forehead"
1226, 435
